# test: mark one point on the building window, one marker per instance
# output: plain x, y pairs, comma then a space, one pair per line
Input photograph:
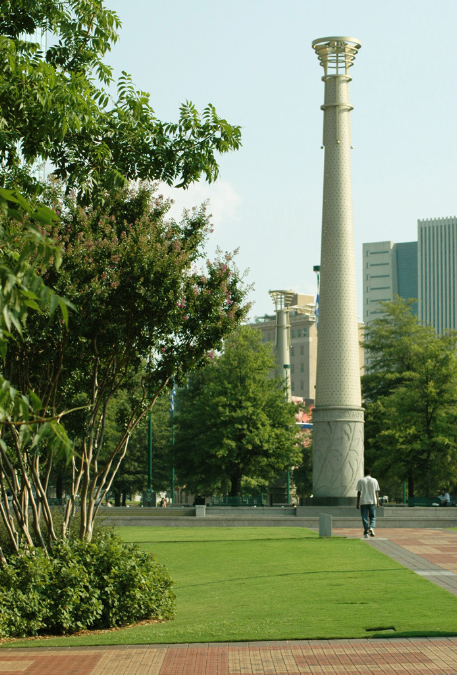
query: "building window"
299, 332
304, 332
302, 368
293, 333
302, 385
302, 350
293, 386
291, 351
292, 370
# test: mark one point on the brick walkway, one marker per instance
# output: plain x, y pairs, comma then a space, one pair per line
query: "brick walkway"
427, 656
431, 553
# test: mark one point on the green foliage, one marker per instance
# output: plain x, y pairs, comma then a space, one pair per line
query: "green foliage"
410, 393
302, 475
133, 472
56, 106
101, 584
233, 421
23, 418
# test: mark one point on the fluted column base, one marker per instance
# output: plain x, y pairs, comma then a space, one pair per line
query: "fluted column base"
337, 454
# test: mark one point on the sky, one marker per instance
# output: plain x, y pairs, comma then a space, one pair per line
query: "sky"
253, 61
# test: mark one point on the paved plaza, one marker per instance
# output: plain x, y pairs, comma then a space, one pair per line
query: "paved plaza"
431, 553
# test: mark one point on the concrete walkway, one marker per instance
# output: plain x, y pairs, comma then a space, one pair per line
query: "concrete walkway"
431, 553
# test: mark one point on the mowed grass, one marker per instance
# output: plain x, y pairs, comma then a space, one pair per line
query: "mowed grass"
238, 584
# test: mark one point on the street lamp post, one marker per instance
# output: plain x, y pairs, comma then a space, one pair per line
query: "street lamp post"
172, 412
338, 412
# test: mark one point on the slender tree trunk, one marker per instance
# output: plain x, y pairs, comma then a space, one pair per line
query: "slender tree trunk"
117, 498
124, 499
59, 485
410, 483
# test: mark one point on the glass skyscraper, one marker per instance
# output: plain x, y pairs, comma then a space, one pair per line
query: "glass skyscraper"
437, 239
423, 269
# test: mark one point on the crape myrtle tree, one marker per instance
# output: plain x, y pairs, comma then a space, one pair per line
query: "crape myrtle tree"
410, 394
233, 422
145, 305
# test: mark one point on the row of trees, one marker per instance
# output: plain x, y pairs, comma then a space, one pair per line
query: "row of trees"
235, 431
410, 394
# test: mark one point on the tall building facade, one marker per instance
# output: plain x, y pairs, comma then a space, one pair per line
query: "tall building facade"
388, 270
425, 269
437, 279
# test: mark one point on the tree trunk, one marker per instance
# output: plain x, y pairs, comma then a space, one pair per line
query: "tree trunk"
410, 484
124, 498
235, 488
117, 498
59, 485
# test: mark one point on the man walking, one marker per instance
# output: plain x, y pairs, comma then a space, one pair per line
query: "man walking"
368, 500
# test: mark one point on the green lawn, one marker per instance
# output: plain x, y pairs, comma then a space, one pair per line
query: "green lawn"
280, 583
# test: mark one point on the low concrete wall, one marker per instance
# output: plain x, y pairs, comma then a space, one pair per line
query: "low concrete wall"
302, 516
148, 512
208, 521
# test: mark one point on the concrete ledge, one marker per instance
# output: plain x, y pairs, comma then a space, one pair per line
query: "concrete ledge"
208, 521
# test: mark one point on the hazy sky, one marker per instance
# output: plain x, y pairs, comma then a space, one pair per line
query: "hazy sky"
253, 60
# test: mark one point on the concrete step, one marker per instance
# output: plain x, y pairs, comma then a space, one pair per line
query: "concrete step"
312, 522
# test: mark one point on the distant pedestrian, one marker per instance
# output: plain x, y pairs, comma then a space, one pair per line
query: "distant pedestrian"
367, 501
444, 498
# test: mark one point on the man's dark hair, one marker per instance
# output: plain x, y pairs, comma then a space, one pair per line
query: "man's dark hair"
367, 472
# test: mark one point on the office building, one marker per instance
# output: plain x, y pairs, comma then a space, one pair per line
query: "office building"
388, 270
425, 270
437, 250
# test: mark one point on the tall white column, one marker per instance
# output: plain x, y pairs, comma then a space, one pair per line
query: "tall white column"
338, 415
282, 301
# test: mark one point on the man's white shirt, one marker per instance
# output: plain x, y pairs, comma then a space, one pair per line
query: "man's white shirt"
368, 487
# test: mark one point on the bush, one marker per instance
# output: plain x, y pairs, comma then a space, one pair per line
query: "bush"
101, 584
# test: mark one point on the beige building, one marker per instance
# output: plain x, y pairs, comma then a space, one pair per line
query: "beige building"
303, 343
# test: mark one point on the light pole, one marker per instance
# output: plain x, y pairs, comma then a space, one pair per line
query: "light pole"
282, 300
338, 415
172, 412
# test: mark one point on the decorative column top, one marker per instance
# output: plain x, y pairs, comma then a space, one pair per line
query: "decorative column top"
336, 54
282, 299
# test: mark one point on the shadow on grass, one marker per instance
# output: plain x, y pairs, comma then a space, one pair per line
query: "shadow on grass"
413, 634
238, 541
291, 574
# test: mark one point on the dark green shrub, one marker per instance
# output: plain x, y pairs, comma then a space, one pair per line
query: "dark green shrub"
100, 584
132, 584
24, 601
75, 599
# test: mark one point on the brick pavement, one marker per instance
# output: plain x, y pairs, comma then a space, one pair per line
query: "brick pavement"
431, 553
427, 656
